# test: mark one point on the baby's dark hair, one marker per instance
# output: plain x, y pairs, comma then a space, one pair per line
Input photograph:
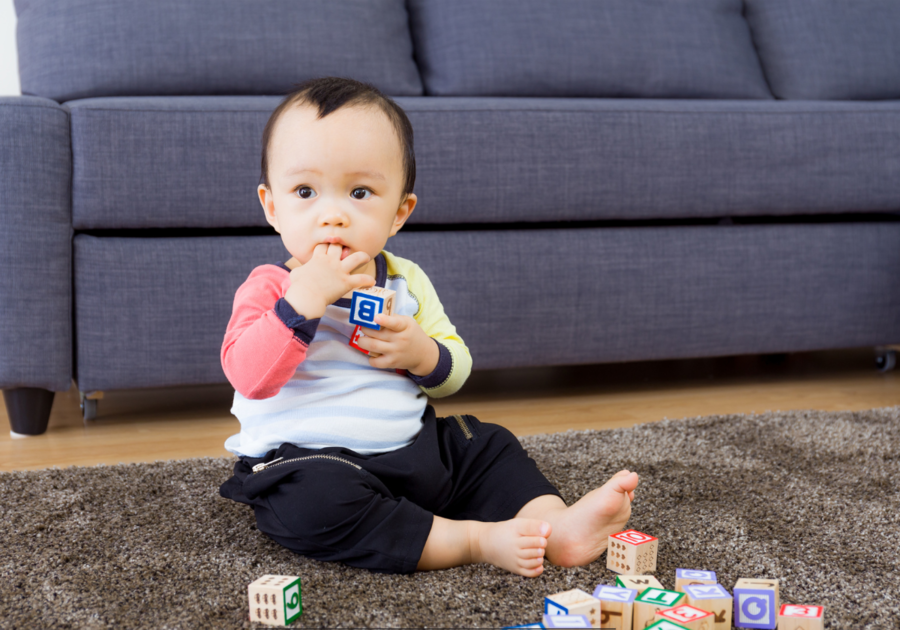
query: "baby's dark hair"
329, 94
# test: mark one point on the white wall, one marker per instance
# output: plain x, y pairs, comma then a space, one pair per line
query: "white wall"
9, 60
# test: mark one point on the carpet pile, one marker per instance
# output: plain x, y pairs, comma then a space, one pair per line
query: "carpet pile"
808, 497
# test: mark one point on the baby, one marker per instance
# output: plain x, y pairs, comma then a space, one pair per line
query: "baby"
341, 456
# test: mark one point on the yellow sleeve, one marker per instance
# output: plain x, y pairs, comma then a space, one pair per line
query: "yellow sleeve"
435, 323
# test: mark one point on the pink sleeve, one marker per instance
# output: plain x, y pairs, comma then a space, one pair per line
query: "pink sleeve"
261, 351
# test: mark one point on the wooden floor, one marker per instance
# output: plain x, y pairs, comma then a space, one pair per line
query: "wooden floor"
182, 422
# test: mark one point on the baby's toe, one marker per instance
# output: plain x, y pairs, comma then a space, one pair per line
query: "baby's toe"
531, 527
531, 552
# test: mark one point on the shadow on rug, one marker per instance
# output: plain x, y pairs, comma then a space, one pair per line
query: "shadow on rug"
808, 497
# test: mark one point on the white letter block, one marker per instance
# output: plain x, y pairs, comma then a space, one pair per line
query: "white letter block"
683, 577
574, 602
689, 617
631, 553
566, 621
275, 599
794, 617
639, 583
713, 598
616, 606
650, 602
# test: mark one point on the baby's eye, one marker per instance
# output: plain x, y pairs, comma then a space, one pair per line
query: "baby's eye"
306, 192
361, 193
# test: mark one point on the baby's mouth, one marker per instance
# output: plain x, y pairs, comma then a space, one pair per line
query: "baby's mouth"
345, 252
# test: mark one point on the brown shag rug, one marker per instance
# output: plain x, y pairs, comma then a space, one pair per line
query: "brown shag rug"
808, 497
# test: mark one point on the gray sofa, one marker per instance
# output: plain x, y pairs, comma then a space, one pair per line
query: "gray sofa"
598, 181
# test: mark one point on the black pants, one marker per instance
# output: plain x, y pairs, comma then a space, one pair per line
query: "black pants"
376, 511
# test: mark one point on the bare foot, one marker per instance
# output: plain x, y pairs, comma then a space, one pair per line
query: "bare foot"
581, 531
516, 545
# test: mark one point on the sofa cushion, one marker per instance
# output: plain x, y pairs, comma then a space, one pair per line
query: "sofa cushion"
636, 48
153, 311
828, 49
85, 48
194, 161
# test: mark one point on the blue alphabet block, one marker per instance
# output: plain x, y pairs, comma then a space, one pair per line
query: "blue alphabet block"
754, 608
365, 304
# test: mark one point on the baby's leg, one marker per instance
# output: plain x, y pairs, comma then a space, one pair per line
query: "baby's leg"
580, 532
516, 545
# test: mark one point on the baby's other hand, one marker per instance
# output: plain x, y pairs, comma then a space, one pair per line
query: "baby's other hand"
325, 278
401, 344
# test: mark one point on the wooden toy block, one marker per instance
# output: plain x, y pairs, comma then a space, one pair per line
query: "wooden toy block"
527, 625
756, 604
639, 583
754, 583
664, 624
365, 304
796, 617
573, 603
689, 617
275, 599
715, 599
354, 338
566, 621
650, 602
631, 553
616, 606
683, 577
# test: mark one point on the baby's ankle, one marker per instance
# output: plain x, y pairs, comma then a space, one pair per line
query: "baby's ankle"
475, 536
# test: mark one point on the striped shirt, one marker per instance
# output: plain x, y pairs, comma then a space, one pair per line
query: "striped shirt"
299, 380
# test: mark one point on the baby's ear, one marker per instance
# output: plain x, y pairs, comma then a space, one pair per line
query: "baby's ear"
406, 208
268, 203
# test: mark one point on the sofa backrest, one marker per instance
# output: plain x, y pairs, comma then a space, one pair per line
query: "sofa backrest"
828, 49
592, 48
88, 48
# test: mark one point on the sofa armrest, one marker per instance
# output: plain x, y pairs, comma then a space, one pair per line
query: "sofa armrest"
35, 244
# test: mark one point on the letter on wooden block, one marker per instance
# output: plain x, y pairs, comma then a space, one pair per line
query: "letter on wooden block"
683, 577
639, 583
650, 602
754, 608
365, 304
616, 606
275, 599
689, 617
575, 602
566, 621
715, 599
765, 584
631, 553
795, 617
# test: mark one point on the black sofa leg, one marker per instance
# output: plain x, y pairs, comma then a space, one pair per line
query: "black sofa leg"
28, 409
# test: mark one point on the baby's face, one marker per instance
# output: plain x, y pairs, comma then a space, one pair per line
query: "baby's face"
338, 179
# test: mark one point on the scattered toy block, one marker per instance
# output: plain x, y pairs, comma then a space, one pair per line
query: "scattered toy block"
365, 304
631, 553
573, 603
796, 617
755, 607
650, 602
616, 606
639, 583
715, 599
275, 599
683, 577
527, 625
664, 624
566, 621
688, 616
753, 583
354, 338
